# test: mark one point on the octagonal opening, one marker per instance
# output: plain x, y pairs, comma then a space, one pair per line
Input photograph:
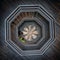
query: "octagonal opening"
20, 40
29, 32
